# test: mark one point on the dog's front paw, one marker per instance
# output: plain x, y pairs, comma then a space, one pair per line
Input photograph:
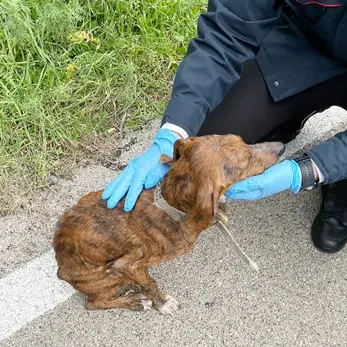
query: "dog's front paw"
169, 307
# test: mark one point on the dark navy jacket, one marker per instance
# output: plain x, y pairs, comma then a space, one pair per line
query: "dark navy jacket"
278, 34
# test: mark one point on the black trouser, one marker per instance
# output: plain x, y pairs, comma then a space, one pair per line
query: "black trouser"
249, 111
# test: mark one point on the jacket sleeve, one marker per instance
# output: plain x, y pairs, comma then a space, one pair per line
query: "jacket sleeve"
229, 34
331, 158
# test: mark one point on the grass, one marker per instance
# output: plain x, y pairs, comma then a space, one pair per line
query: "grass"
73, 68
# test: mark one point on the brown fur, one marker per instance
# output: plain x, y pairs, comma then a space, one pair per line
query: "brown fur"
106, 253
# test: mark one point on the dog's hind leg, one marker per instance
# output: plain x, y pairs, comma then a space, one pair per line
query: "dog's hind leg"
134, 302
121, 292
166, 304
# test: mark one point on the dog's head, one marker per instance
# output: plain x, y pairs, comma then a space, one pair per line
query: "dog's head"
203, 168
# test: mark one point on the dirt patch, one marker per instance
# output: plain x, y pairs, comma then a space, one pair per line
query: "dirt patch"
112, 151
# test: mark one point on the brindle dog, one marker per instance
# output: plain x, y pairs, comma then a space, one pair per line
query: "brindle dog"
106, 253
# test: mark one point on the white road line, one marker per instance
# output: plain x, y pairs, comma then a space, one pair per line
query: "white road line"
29, 292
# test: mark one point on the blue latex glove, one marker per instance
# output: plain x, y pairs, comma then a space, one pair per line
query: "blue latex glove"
282, 176
142, 171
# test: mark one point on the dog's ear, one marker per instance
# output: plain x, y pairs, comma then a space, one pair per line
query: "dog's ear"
203, 213
182, 147
178, 149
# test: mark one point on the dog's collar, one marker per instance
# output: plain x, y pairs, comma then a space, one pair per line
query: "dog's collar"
171, 211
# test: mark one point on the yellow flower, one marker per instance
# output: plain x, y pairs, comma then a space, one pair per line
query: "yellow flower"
84, 37
70, 71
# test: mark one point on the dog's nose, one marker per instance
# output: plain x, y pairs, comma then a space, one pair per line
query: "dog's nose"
276, 147
282, 148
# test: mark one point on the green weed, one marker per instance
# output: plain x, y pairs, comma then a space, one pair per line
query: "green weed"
74, 67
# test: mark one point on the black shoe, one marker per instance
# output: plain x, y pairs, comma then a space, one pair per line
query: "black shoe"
329, 229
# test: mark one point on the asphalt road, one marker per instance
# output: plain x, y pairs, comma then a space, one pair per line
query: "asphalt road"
297, 299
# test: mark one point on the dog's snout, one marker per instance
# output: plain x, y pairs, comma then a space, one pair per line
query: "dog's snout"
277, 148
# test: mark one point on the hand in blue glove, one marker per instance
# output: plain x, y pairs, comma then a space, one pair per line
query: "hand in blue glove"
143, 171
282, 176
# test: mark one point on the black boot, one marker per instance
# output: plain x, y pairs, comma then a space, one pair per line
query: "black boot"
329, 229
